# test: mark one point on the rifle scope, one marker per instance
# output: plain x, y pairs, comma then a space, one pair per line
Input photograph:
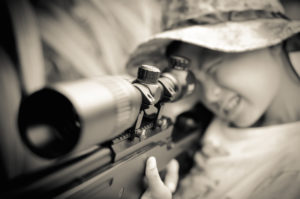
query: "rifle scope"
73, 116
54, 120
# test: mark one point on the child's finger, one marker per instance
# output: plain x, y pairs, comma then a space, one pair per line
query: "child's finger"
146, 195
156, 188
171, 178
154, 180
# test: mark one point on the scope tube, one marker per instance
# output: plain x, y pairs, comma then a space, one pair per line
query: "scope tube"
73, 116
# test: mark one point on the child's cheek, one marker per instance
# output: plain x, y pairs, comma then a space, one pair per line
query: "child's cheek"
226, 77
234, 78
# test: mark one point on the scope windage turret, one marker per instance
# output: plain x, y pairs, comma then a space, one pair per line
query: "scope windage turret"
73, 116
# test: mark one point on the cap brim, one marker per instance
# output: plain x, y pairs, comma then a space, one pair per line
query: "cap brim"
225, 37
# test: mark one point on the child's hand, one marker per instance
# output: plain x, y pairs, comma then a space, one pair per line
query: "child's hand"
157, 189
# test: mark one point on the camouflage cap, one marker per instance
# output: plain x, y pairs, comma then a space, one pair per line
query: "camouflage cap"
222, 25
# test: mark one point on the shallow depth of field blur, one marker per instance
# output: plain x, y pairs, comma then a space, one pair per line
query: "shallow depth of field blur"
70, 39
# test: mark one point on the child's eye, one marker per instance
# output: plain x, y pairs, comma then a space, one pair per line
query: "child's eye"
212, 69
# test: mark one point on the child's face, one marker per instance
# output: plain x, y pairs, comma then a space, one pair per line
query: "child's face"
238, 87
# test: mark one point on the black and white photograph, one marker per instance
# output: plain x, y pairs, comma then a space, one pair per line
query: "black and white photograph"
150, 99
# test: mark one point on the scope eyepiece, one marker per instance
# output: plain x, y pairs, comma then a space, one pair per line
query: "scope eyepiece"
179, 62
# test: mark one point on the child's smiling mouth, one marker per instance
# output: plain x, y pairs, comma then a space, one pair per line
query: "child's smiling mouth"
229, 107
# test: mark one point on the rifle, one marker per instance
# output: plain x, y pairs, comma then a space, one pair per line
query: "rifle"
98, 132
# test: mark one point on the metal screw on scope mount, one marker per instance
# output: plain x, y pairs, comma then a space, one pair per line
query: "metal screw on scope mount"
148, 74
179, 63
141, 134
162, 123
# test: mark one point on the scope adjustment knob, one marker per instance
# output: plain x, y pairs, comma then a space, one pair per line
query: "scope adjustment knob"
148, 74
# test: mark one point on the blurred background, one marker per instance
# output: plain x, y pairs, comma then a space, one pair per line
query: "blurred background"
43, 42
292, 8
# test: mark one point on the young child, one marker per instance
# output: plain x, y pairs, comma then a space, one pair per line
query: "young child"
243, 54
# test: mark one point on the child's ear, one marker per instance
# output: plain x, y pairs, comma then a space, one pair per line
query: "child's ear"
292, 48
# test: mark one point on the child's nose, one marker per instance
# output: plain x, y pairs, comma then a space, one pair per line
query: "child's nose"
212, 91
